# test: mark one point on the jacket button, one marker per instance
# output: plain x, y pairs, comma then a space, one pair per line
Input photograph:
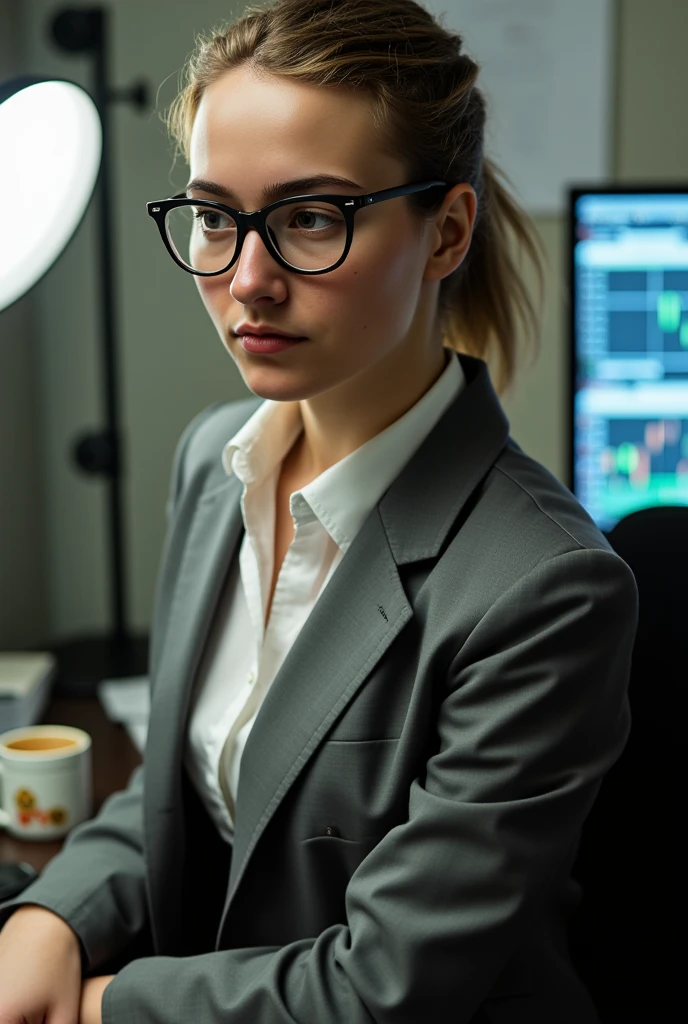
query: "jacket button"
332, 830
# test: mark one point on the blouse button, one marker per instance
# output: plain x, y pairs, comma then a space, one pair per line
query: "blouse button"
250, 677
332, 830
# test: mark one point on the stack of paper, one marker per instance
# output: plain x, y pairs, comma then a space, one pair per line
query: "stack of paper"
26, 680
128, 701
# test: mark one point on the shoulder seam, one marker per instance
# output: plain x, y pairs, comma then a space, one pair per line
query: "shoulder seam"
537, 503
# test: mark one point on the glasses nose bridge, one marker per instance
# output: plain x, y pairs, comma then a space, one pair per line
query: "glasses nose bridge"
255, 221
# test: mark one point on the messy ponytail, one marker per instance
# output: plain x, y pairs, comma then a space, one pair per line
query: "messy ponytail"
430, 114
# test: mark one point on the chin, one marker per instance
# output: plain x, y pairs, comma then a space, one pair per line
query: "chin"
276, 386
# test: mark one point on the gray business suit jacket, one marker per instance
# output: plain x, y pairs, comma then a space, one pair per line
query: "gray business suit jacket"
413, 789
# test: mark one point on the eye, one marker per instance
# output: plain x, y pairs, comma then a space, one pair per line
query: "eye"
212, 221
315, 220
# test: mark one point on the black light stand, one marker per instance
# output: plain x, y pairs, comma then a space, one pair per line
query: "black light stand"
84, 662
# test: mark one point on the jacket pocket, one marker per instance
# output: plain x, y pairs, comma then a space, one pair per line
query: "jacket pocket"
348, 852
326, 863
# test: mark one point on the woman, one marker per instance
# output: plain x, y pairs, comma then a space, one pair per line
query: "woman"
390, 651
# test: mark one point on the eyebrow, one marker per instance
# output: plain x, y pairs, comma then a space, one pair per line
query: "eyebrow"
278, 189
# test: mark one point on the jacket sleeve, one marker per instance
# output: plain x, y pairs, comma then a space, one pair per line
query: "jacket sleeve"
96, 883
533, 713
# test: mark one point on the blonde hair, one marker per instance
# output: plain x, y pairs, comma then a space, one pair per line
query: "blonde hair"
430, 114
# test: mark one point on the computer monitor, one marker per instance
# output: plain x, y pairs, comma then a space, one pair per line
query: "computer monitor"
628, 409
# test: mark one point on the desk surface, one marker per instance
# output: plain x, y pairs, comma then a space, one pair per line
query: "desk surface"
114, 759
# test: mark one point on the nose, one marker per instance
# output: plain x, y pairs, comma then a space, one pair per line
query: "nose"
256, 273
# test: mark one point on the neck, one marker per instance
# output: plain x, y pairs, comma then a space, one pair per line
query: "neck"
332, 430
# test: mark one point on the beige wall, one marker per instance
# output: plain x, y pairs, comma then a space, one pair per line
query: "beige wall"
172, 362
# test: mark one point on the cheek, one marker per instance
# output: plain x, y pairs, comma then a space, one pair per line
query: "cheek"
398, 260
212, 294
383, 279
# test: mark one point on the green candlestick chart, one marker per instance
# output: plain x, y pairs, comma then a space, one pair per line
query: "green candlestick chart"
669, 313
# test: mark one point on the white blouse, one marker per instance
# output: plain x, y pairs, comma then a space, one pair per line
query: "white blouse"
241, 657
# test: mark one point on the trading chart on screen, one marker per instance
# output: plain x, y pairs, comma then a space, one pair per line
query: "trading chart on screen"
629, 351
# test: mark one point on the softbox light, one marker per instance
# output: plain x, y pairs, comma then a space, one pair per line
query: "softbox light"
51, 143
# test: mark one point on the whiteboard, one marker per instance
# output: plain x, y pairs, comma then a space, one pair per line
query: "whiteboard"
546, 72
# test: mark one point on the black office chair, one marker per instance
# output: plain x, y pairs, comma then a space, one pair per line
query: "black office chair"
626, 936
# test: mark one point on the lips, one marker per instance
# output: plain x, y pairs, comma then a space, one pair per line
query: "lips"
266, 345
268, 332
270, 337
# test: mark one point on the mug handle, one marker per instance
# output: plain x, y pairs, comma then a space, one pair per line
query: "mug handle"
4, 816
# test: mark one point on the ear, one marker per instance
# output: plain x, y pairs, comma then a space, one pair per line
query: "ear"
451, 231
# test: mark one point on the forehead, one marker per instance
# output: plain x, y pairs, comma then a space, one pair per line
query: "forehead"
251, 128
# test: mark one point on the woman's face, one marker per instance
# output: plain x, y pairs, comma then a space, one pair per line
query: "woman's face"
252, 131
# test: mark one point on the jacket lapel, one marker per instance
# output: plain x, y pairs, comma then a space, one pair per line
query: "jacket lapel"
213, 536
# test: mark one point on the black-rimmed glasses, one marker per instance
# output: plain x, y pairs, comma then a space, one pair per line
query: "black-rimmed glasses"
306, 234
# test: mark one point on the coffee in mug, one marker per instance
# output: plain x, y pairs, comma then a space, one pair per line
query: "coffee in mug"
45, 780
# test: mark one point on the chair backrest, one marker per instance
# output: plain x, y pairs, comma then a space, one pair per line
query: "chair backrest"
624, 938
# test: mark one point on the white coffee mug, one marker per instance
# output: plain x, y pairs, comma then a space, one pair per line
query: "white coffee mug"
46, 784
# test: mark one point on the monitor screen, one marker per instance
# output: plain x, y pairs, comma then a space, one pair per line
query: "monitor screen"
629, 349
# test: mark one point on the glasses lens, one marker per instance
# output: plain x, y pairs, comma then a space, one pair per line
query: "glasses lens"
307, 235
202, 237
